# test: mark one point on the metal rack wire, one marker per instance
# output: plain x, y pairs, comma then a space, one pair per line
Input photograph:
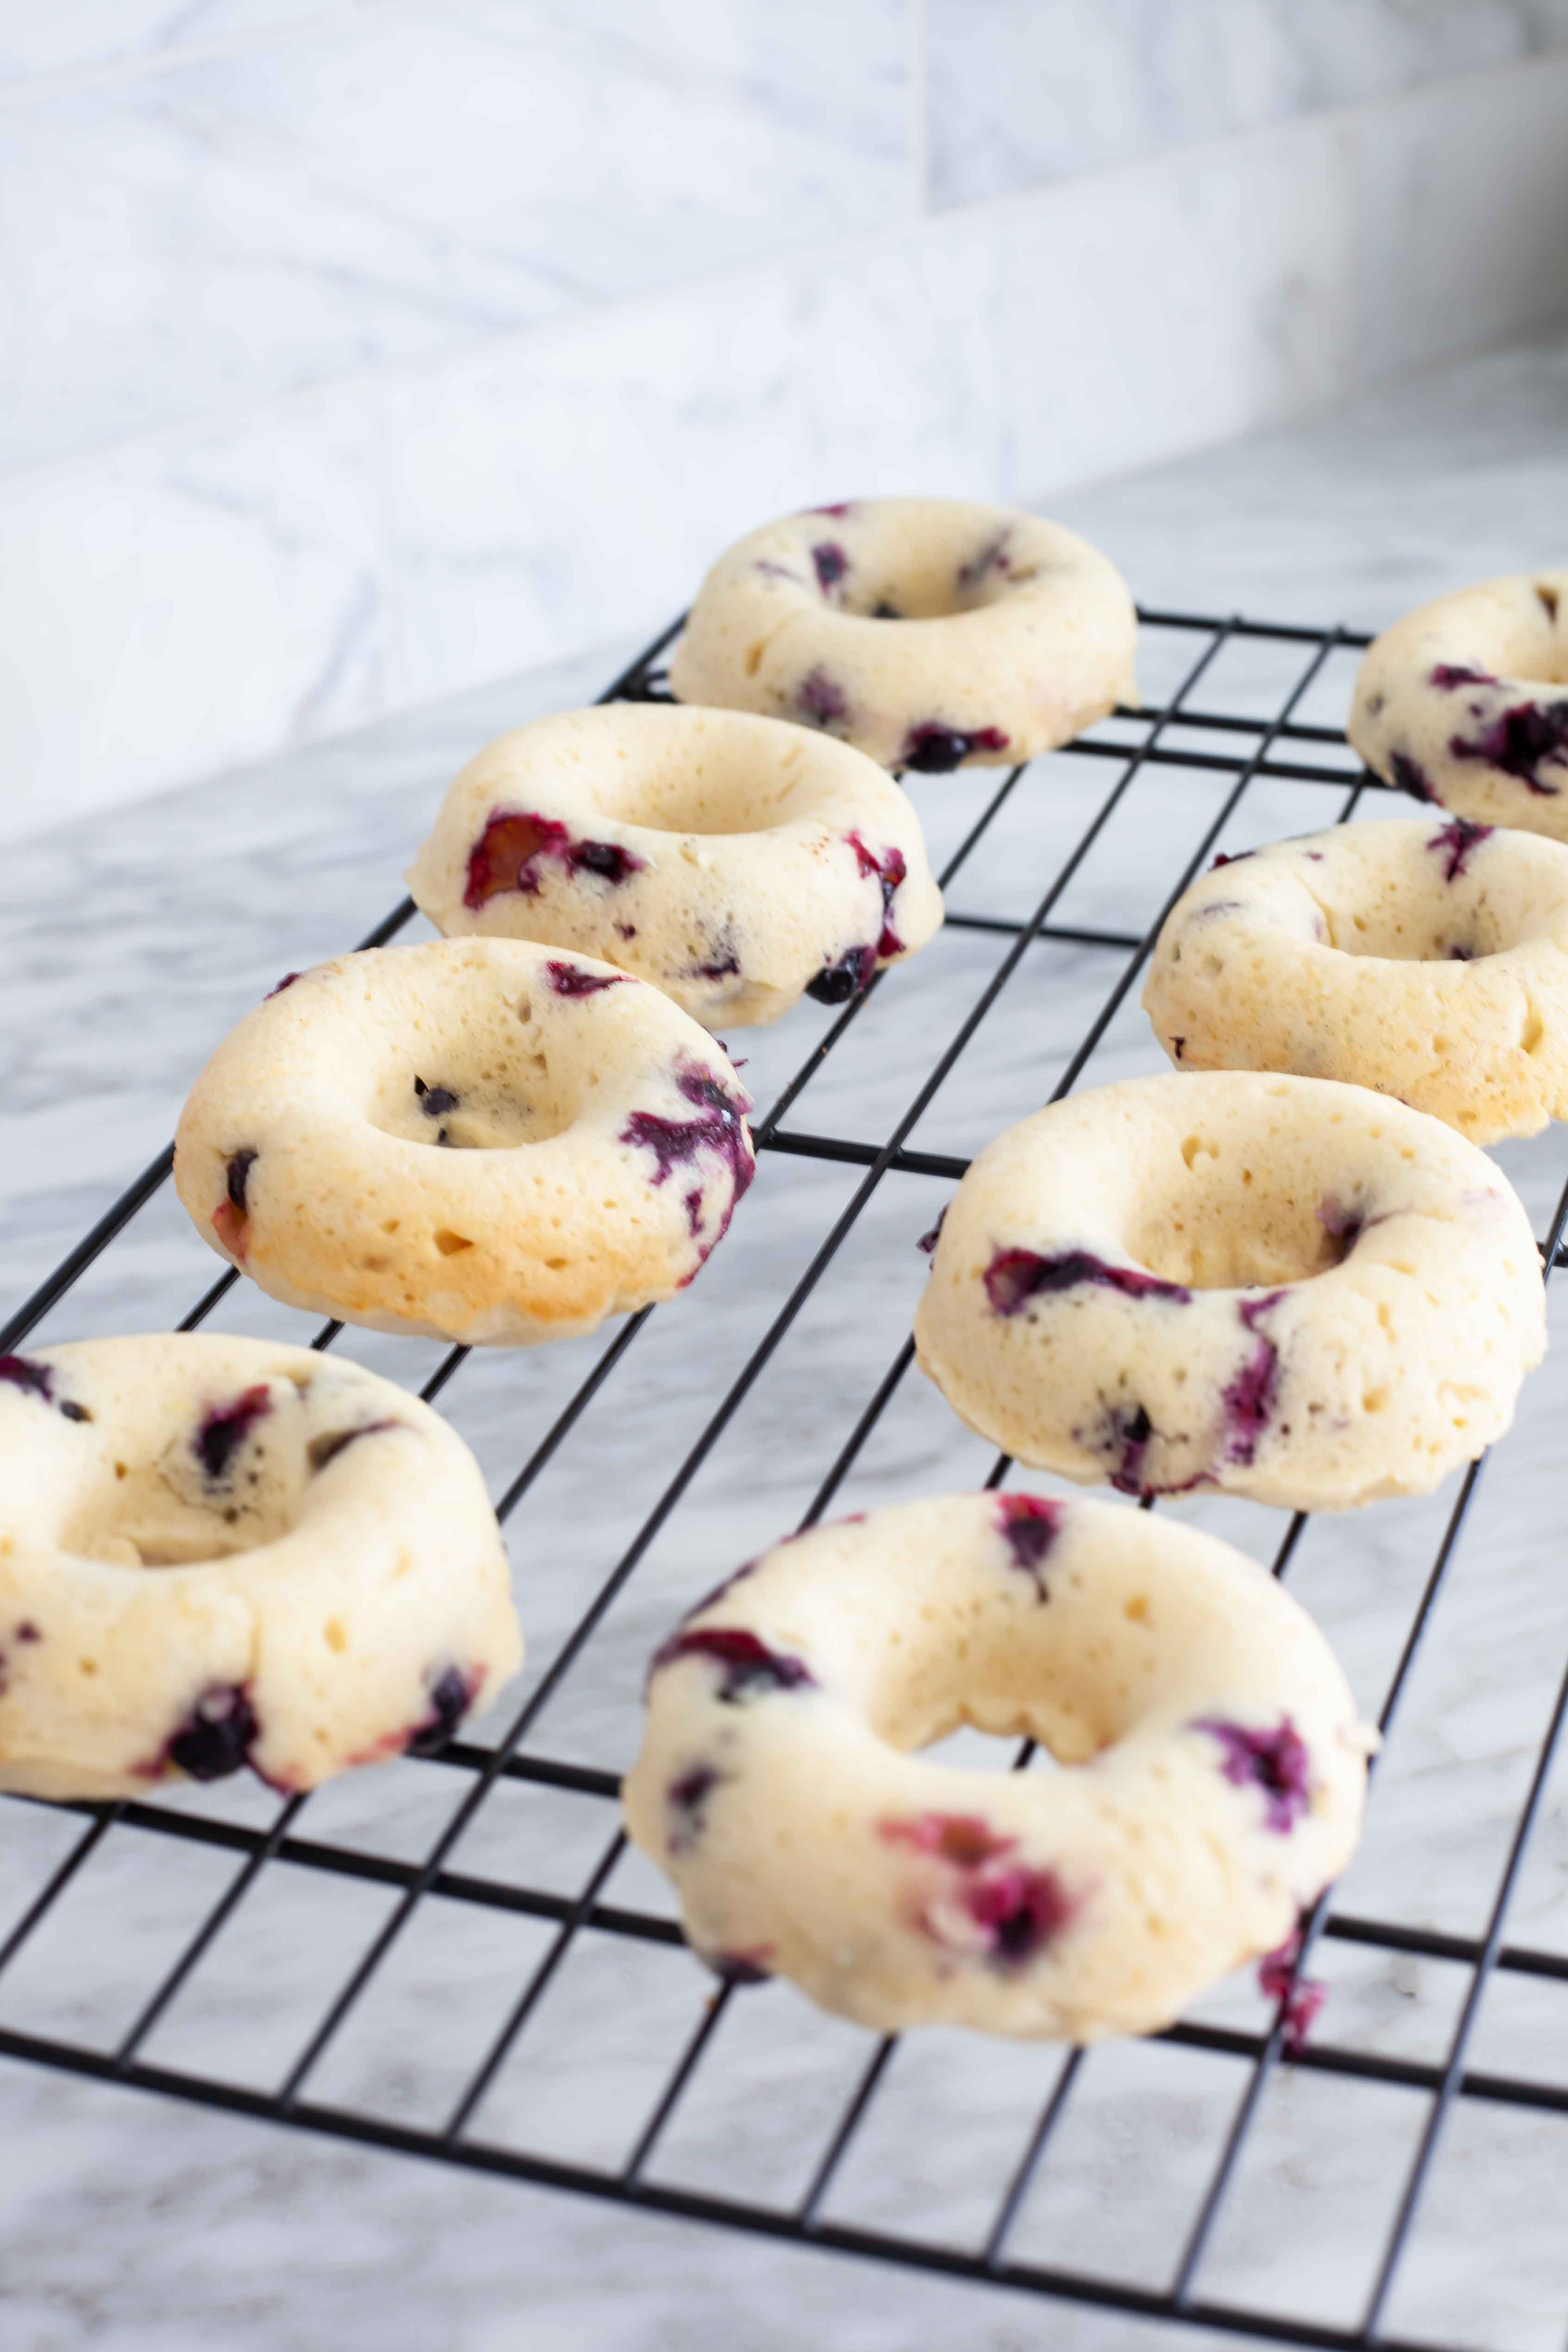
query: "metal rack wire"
1182, 733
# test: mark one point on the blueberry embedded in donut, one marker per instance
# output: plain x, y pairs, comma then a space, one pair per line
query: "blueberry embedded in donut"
1343, 1224
1009, 1910
216, 1738
1130, 1429
750, 1667
1519, 740
1232, 858
1248, 1399
850, 976
332, 1441
928, 1242
570, 979
1030, 1524
1300, 1999
1449, 677
1279, 1762
992, 556
1411, 777
719, 1128
829, 563
1454, 843
231, 1218
506, 854
1014, 1276
224, 1430
748, 1967
452, 1694
890, 870
686, 1798
932, 749
24, 1373
819, 699
287, 981
436, 1101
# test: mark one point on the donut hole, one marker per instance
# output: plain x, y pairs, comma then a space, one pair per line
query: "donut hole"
994, 1673
714, 788
496, 1092
964, 563
1234, 1224
162, 1513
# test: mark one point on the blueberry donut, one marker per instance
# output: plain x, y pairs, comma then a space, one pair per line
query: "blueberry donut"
217, 1553
1466, 702
931, 633
1216, 1777
1428, 961
476, 1140
1291, 1288
735, 862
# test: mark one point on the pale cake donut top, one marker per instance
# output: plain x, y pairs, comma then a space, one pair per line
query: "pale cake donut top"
1428, 959
1217, 1766
1465, 701
1287, 1287
929, 632
217, 1552
734, 861
474, 1138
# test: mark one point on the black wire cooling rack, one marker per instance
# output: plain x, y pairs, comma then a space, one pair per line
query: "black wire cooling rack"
1236, 753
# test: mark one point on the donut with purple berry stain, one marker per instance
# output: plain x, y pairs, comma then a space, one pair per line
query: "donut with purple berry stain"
1464, 702
220, 1556
930, 633
1213, 1779
1287, 1287
1425, 957
476, 1140
737, 863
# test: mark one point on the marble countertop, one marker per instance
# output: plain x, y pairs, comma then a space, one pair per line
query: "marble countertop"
128, 948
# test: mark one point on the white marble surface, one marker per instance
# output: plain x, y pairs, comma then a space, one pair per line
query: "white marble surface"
127, 950
1024, 90
352, 354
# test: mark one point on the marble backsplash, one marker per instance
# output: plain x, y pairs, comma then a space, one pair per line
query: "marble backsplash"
357, 353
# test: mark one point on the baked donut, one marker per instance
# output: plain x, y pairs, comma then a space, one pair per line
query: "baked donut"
1428, 961
1219, 1781
1013, 635
1293, 1290
595, 1142
1466, 702
217, 1552
735, 862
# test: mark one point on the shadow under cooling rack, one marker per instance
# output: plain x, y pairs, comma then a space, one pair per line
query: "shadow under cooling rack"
573, 1940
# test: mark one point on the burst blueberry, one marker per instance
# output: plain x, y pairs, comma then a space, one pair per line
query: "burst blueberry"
1518, 742
932, 749
1277, 1762
451, 1696
223, 1431
747, 1666
1016, 1275
217, 1735
1454, 843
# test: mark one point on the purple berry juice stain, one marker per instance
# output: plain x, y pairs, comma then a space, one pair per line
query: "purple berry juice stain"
1454, 843
748, 1666
1277, 1762
1519, 740
222, 1431
569, 980
1030, 1524
1014, 1276
452, 1694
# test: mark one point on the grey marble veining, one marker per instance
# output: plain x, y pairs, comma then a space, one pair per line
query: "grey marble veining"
127, 951
1022, 91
